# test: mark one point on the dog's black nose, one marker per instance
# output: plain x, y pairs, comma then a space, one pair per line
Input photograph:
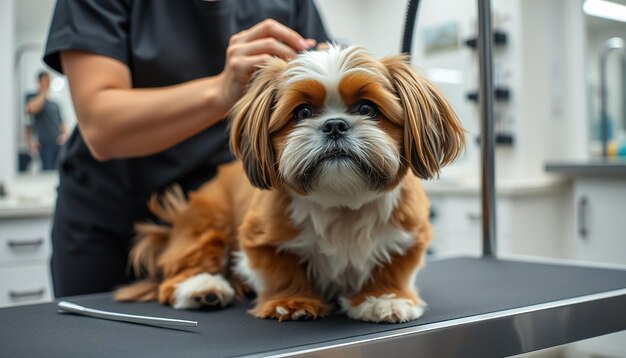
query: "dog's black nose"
335, 128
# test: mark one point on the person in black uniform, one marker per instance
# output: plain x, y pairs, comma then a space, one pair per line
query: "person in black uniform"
151, 83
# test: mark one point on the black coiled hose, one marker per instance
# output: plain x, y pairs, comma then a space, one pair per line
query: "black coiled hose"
409, 25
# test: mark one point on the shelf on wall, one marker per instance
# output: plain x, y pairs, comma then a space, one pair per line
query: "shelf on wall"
504, 139
500, 93
500, 38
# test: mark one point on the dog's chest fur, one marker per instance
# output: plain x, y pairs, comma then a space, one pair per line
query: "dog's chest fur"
340, 246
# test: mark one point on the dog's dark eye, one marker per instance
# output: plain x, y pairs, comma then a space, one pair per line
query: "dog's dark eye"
367, 108
302, 112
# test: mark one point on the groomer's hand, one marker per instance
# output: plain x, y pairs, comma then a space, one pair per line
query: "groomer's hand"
250, 48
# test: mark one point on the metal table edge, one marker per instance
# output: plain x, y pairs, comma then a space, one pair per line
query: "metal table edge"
520, 323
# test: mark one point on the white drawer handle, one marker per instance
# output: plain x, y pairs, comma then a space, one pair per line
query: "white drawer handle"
473, 216
24, 294
24, 243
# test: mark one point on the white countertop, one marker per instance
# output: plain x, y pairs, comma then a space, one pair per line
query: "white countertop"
511, 187
21, 208
36, 196
29, 196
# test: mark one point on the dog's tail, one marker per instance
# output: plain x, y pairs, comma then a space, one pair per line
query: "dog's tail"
150, 242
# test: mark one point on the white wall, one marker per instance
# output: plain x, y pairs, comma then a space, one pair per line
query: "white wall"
575, 92
553, 84
541, 85
375, 24
7, 39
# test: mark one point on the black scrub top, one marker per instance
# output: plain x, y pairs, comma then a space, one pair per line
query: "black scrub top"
163, 43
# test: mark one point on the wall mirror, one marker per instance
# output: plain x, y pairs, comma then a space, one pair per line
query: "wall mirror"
33, 132
605, 35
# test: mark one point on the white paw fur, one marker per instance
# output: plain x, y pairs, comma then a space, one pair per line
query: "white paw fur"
297, 315
200, 285
385, 308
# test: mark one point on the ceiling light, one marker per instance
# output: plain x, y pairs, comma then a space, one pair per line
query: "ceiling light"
605, 9
57, 84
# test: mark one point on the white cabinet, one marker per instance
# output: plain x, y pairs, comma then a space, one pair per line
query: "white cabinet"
456, 224
600, 220
600, 236
24, 260
529, 220
597, 216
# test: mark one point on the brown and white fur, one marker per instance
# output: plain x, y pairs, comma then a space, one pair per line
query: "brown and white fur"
333, 145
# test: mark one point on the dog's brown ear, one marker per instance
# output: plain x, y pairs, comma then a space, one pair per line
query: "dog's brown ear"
433, 136
249, 127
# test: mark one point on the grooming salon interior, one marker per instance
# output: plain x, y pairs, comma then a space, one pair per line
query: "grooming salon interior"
558, 125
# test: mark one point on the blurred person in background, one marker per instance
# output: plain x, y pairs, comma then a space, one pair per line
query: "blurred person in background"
46, 123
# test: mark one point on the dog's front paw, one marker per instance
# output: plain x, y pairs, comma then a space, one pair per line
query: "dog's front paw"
291, 309
386, 308
202, 290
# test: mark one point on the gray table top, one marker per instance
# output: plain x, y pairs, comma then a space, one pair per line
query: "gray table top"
478, 296
596, 167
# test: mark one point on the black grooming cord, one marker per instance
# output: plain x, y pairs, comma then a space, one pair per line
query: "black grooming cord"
409, 25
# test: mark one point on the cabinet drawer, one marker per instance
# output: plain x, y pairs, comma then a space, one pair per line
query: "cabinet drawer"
24, 284
456, 244
24, 239
464, 217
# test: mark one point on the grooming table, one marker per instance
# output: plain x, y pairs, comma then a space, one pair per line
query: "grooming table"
478, 307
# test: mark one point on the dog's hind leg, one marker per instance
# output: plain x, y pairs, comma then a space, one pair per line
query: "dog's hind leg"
196, 257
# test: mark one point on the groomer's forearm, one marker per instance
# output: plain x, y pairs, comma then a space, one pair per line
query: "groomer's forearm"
125, 123
36, 103
119, 121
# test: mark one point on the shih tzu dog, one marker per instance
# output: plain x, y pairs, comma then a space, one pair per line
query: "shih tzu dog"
325, 203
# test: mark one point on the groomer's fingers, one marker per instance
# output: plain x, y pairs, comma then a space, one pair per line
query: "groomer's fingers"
272, 28
323, 46
310, 43
244, 67
268, 45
